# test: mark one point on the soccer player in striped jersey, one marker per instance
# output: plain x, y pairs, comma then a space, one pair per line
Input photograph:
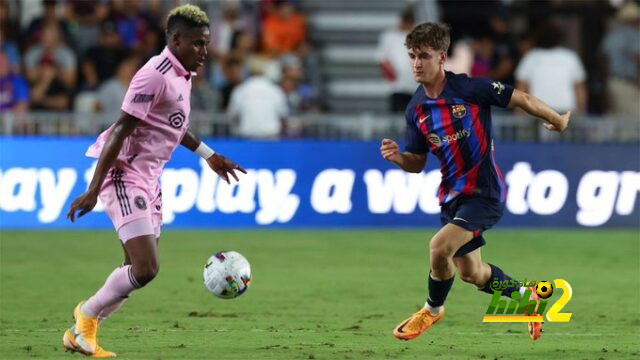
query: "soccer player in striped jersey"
450, 116
131, 155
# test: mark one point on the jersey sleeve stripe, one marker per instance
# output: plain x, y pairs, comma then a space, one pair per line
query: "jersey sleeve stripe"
163, 64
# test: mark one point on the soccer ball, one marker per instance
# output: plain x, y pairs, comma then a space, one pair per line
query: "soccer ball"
227, 274
544, 289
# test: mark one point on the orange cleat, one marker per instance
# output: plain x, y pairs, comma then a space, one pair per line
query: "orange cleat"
418, 323
81, 337
535, 328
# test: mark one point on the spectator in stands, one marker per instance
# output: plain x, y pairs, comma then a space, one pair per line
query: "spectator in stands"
462, 57
84, 18
230, 69
10, 50
243, 44
301, 97
283, 30
393, 59
310, 64
621, 46
101, 62
137, 29
258, 106
112, 92
553, 73
234, 74
226, 26
204, 97
49, 17
8, 23
483, 47
14, 91
505, 53
51, 71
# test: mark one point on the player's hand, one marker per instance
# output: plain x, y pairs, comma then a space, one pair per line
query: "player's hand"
83, 203
562, 125
223, 166
390, 150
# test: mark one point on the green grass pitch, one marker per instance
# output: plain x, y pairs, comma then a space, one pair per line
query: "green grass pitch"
318, 295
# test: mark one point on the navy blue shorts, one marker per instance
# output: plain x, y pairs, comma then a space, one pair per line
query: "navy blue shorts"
475, 214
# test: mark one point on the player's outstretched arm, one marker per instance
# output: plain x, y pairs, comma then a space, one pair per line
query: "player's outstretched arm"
407, 161
218, 163
87, 201
536, 107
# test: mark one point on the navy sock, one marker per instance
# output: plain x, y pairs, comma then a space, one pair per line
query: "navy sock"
506, 285
438, 290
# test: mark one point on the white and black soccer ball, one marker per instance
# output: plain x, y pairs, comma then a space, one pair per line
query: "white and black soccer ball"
227, 274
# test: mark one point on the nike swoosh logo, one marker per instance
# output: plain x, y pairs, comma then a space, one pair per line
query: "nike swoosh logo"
459, 218
423, 119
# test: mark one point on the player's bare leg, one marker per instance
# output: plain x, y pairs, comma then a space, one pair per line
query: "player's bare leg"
442, 247
472, 269
475, 271
142, 254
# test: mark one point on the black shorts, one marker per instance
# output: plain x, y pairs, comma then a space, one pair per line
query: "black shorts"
475, 214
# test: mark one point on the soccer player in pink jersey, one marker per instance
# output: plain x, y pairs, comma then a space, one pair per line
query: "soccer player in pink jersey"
131, 155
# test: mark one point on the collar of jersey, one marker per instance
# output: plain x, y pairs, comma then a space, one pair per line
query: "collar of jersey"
177, 66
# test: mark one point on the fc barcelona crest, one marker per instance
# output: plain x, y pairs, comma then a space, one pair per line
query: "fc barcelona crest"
458, 111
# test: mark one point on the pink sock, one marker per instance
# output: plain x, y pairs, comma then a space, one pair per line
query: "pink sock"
107, 311
118, 285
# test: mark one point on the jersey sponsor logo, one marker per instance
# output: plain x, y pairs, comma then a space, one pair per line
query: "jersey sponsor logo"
498, 87
458, 135
140, 203
176, 119
434, 139
458, 110
421, 120
142, 98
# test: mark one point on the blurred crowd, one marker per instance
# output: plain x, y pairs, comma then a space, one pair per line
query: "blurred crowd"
532, 45
80, 55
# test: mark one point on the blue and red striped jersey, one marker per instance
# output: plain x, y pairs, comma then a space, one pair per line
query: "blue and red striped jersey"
456, 128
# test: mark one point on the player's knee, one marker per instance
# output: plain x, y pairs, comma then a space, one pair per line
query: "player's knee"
469, 274
438, 250
146, 272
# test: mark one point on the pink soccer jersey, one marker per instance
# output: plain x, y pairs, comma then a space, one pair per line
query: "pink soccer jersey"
159, 95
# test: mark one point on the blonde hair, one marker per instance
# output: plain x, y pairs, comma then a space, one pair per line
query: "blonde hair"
189, 15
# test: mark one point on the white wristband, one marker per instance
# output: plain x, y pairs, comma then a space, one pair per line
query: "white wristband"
204, 151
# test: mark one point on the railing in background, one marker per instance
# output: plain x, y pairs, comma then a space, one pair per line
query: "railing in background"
366, 126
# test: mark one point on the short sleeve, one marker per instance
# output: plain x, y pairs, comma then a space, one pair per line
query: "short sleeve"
143, 93
489, 92
415, 142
